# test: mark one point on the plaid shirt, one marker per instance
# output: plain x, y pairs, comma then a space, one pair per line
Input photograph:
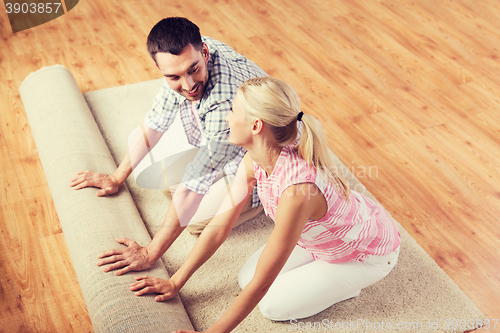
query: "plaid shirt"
227, 71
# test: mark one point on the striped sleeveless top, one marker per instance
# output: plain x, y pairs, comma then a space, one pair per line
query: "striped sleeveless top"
349, 231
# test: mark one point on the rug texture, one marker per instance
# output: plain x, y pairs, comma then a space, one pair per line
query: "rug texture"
417, 296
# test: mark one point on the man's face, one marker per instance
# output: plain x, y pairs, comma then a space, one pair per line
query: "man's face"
186, 73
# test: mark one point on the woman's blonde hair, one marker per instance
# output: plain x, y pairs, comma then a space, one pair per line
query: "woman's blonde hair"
277, 104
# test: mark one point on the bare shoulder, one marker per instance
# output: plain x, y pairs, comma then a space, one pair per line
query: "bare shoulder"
306, 198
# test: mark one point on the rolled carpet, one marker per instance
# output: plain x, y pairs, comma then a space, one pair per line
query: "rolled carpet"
68, 140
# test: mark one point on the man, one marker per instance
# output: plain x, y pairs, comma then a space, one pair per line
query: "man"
201, 79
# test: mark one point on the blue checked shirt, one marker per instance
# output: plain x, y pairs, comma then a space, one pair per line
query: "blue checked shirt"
227, 71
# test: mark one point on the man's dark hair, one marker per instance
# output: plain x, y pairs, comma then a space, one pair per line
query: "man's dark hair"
172, 35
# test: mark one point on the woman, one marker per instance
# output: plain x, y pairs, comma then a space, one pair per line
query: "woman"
328, 242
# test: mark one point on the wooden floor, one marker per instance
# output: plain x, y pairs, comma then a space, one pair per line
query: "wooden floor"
408, 91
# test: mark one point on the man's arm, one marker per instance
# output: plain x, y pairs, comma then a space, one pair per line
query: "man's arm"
144, 140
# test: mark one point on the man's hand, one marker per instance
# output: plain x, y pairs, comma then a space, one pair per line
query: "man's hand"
151, 285
108, 184
133, 258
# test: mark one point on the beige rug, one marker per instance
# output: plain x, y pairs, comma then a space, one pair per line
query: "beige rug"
416, 292
416, 297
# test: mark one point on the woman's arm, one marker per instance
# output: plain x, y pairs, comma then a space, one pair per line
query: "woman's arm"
296, 206
214, 234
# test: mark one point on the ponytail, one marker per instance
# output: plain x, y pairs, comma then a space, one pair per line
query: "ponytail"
313, 148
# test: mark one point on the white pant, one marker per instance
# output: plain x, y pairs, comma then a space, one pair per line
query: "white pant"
305, 287
211, 202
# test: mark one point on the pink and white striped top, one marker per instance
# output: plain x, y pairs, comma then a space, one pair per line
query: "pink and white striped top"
349, 231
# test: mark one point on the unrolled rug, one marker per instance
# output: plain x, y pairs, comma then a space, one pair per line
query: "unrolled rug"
417, 296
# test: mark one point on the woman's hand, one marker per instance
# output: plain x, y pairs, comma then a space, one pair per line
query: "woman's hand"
108, 184
185, 331
151, 285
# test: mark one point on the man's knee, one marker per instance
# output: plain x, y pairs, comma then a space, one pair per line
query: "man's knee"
197, 228
169, 192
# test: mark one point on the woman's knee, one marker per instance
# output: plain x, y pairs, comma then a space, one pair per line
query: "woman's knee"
248, 270
273, 310
246, 274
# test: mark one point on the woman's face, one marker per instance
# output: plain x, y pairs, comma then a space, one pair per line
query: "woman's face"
241, 129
